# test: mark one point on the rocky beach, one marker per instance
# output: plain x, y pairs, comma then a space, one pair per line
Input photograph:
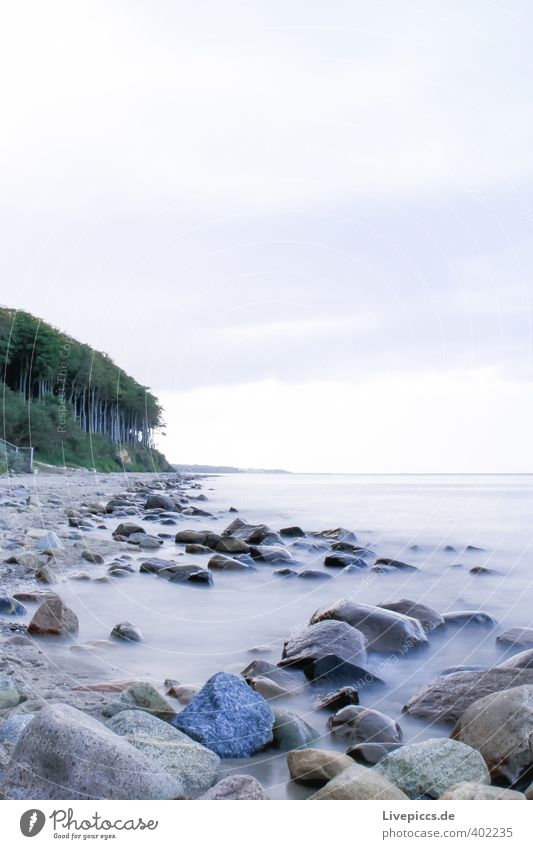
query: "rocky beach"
161, 641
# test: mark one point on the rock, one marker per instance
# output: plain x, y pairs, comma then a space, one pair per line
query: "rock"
175, 753
326, 638
186, 574
522, 660
227, 564
251, 534
385, 630
316, 766
189, 536
290, 680
290, 731
337, 535
228, 717
341, 560
145, 540
517, 637
53, 617
500, 727
429, 768
231, 545
49, 540
529, 792
10, 695
82, 576
162, 502
285, 572
359, 782
65, 754
237, 787
120, 572
11, 607
196, 548
370, 753
293, 531
127, 631
269, 554
26, 558
337, 699
482, 570
358, 724
268, 689
46, 575
451, 669
390, 564
427, 616
469, 617
143, 696
332, 670
12, 727
314, 575
184, 693
92, 557
474, 790
446, 698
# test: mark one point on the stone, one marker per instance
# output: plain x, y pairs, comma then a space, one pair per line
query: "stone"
500, 727
290, 731
370, 753
49, 540
143, 696
384, 630
446, 698
467, 790
285, 572
430, 767
10, 695
314, 575
270, 554
336, 699
11, 607
332, 670
292, 531
316, 766
184, 693
251, 534
196, 548
26, 558
326, 638
145, 540
227, 564
517, 638
268, 689
337, 535
469, 617
236, 787
65, 754
228, 717
341, 560
390, 563
183, 573
359, 782
522, 660
175, 753
46, 575
289, 679
232, 545
191, 536
358, 724
92, 557
157, 501
12, 727
427, 616
127, 631
53, 617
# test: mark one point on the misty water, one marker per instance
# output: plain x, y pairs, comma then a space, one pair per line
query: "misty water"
192, 632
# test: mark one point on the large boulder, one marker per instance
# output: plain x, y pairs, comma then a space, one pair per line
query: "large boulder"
430, 767
517, 638
193, 764
500, 726
228, 717
65, 754
468, 790
385, 630
316, 766
238, 788
53, 617
428, 617
326, 638
357, 724
446, 698
359, 782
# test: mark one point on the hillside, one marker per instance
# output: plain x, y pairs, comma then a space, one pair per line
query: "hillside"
73, 404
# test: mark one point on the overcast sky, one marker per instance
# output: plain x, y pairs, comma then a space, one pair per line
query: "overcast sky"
306, 225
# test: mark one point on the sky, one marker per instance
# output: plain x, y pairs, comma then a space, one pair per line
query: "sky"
307, 226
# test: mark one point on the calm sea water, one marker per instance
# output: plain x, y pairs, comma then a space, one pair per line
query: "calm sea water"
193, 632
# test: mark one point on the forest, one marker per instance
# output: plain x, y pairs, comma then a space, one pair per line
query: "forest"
73, 404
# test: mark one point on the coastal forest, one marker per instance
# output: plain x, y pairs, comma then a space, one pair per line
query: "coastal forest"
73, 404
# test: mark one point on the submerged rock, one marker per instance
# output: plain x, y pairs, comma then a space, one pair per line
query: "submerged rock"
326, 638
517, 637
388, 564
384, 630
293, 531
290, 731
332, 670
182, 573
341, 560
228, 717
127, 631
316, 766
359, 782
427, 616
469, 617
358, 724
228, 564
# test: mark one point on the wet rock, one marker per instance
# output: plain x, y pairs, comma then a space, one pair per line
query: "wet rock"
358, 724
446, 698
326, 638
268, 689
228, 717
251, 534
285, 572
268, 554
517, 638
290, 680
473, 790
183, 573
189, 536
452, 669
53, 617
155, 565
127, 631
11, 607
385, 630
290, 731
11, 728
26, 558
371, 753
92, 557
427, 616
316, 766
228, 564
65, 754
337, 535
314, 575
232, 545
359, 782
332, 670
236, 787
145, 540
389, 564
46, 575
429, 768
80, 576
49, 540
337, 699
293, 531
341, 560
469, 617
522, 660
142, 696
192, 764
10, 694
184, 693
482, 570
157, 501
500, 727
196, 548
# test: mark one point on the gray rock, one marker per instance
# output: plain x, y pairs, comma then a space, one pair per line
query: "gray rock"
184, 573
236, 787
53, 617
522, 660
251, 534
469, 617
65, 754
331, 670
337, 535
291, 731
473, 790
371, 753
92, 557
427, 616
337, 699
11, 607
141, 696
157, 501
500, 727
446, 698
316, 766
359, 782
191, 536
193, 764
389, 564
12, 727
517, 637
384, 630
357, 724
127, 631
228, 564
126, 529
10, 695
49, 540
232, 545
326, 638
429, 768
292, 531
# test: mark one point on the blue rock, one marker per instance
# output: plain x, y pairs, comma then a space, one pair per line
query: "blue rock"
12, 728
228, 717
11, 606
